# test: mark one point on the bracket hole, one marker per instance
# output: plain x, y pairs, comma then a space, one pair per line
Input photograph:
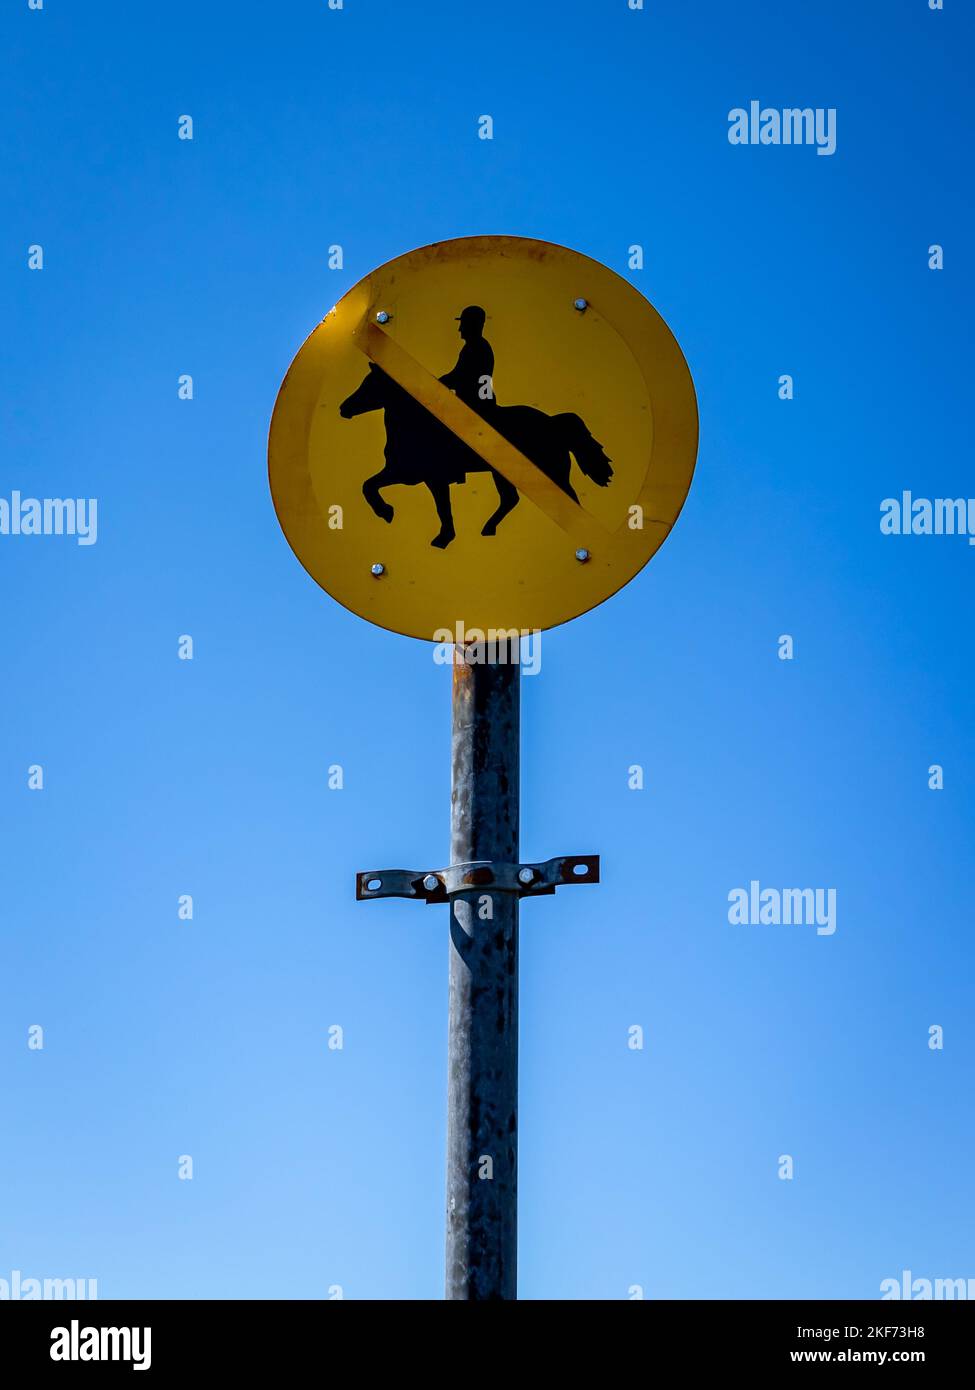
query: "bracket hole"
373, 885
580, 870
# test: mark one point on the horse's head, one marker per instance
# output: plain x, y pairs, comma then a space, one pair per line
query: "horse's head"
369, 396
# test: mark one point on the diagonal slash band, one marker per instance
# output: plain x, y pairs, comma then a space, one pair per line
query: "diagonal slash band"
476, 433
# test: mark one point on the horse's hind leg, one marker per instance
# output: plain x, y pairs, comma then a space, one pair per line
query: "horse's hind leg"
372, 494
561, 473
441, 497
507, 498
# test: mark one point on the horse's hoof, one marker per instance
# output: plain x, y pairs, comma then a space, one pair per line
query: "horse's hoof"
443, 540
383, 510
489, 529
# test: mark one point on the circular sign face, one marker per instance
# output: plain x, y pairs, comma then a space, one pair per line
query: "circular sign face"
487, 434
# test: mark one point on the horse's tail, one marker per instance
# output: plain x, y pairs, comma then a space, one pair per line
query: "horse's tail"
587, 451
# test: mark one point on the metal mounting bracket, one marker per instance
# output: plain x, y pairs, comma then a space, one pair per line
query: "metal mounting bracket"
439, 885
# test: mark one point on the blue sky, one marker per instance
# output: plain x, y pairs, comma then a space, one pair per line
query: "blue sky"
163, 777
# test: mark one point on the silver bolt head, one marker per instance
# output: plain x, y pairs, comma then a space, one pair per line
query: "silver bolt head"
582, 556
526, 875
382, 316
581, 304
378, 571
431, 883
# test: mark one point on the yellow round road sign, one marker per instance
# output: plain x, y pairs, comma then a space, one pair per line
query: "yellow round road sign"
484, 434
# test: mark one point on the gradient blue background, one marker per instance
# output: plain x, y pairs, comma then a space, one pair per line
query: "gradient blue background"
315, 1168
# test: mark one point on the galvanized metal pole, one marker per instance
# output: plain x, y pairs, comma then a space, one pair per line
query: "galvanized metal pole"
482, 1087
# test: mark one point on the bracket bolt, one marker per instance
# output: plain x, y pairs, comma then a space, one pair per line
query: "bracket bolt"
581, 555
526, 875
581, 304
431, 883
378, 571
382, 316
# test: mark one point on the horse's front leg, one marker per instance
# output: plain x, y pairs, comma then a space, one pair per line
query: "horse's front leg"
372, 494
441, 497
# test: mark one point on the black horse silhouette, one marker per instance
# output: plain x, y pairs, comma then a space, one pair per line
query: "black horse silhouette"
419, 449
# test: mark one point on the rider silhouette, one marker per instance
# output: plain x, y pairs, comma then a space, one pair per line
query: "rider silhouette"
472, 377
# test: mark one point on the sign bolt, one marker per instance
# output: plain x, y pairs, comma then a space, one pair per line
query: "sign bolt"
526, 875
581, 304
378, 571
431, 883
581, 555
382, 316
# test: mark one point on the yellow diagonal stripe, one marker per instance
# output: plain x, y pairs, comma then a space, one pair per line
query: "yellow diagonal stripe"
468, 426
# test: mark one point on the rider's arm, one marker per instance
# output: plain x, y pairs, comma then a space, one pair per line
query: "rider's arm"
462, 370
